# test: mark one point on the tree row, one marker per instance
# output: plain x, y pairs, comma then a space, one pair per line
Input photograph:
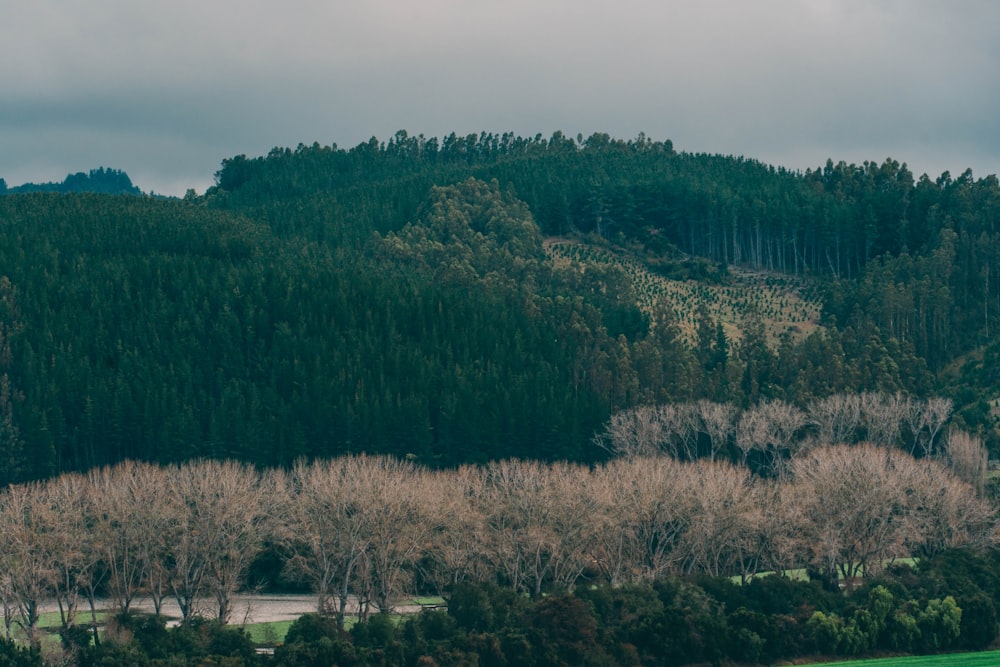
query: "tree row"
362, 531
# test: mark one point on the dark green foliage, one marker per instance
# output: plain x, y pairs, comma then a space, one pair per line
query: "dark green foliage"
143, 639
315, 640
311, 628
395, 298
14, 655
565, 632
672, 622
484, 607
105, 181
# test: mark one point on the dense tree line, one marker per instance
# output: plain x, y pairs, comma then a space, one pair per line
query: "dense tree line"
164, 330
107, 181
943, 604
320, 302
362, 532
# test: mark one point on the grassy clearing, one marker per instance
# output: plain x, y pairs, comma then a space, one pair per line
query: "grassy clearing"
273, 633
426, 601
268, 634
983, 659
785, 303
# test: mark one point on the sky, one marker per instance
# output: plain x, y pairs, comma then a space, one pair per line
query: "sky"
166, 90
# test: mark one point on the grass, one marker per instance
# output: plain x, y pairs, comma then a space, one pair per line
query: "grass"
426, 601
268, 633
981, 659
274, 632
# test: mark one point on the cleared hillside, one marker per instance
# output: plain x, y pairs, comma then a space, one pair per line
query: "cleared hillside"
785, 303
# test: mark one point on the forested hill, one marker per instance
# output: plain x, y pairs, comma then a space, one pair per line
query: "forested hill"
107, 181
396, 298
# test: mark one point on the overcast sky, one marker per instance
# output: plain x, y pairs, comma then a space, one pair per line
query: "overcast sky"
166, 90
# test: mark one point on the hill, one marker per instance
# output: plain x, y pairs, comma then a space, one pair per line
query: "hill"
398, 297
106, 181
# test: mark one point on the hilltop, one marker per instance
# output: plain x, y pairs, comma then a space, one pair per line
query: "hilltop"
106, 181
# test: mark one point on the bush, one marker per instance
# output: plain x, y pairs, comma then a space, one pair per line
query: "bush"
485, 607
310, 628
940, 624
979, 622
565, 632
12, 655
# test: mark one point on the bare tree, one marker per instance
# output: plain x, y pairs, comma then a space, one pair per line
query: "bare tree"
26, 561
644, 508
773, 428
726, 523
640, 431
326, 528
837, 418
402, 515
218, 532
65, 504
967, 458
751, 433
718, 422
883, 416
537, 522
782, 547
357, 526
127, 504
456, 550
853, 507
945, 512
926, 419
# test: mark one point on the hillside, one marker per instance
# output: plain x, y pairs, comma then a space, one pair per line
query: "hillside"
398, 298
788, 305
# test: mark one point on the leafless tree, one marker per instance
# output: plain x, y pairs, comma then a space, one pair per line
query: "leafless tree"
127, 505
217, 534
773, 428
782, 547
967, 458
456, 550
65, 504
883, 416
403, 514
323, 536
927, 418
686, 429
945, 511
852, 506
645, 507
718, 422
326, 529
837, 418
538, 522
25, 560
726, 527
357, 526
641, 431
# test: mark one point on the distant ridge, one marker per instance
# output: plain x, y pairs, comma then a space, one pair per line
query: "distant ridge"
101, 180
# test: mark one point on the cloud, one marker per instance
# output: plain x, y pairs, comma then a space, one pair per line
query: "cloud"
170, 89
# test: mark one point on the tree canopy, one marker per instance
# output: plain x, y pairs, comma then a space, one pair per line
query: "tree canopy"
396, 298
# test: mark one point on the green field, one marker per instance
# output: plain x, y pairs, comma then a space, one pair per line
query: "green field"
267, 634
981, 659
